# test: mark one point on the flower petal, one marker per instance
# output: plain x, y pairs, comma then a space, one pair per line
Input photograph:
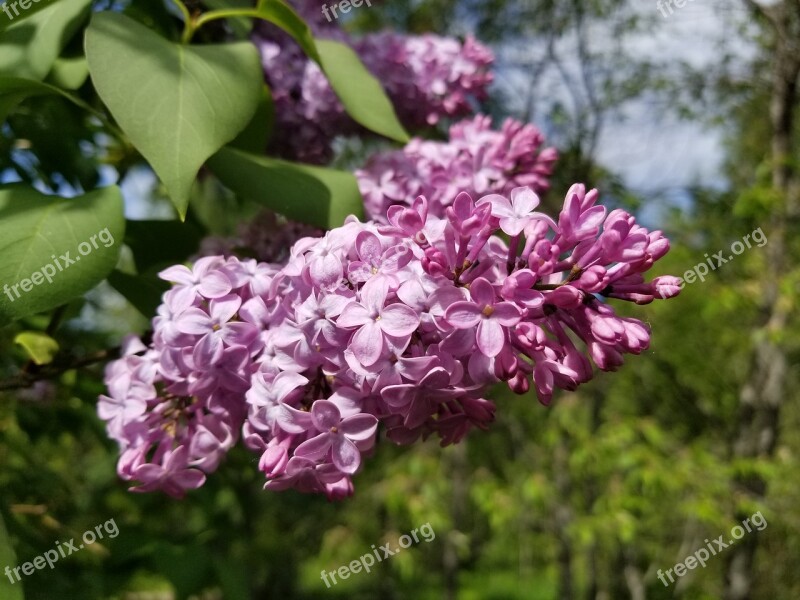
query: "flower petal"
491, 337
346, 456
398, 320
353, 315
373, 294
214, 285
292, 420
463, 315
359, 428
524, 200
325, 415
482, 292
369, 247
506, 314
316, 448
367, 344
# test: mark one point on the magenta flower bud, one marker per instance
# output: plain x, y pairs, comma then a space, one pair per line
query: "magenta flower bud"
667, 286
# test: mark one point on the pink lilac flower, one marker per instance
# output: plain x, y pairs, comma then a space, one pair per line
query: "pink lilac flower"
400, 326
476, 160
427, 77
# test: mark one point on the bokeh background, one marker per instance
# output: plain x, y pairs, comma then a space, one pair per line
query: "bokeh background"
686, 120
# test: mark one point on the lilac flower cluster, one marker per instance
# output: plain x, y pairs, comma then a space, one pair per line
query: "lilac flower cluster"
427, 78
476, 159
404, 324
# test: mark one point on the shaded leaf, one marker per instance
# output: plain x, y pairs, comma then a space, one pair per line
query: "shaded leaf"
314, 195
360, 93
30, 48
177, 104
55, 249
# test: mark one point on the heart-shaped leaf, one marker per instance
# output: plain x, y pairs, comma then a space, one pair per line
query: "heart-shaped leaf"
55, 249
177, 104
314, 195
30, 48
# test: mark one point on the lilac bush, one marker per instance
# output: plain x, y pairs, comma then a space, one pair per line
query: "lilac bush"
400, 326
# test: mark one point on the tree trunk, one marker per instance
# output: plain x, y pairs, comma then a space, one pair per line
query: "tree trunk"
763, 393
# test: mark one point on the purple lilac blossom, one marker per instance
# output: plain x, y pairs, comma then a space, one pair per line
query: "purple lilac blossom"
427, 77
400, 326
476, 159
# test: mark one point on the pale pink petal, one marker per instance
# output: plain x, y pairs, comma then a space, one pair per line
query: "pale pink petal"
501, 207
316, 448
398, 396
189, 479
353, 315
398, 320
325, 415
285, 383
368, 247
490, 337
208, 350
214, 285
223, 309
346, 456
373, 294
513, 225
177, 274
292, 420
482, 292
359, 428
524, 200
463, 315
326, 270
367, 344
194, 321
437, 379
506, 314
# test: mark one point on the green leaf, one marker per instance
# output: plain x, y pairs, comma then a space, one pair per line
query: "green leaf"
177, 104
55, 249
360, 93
281, 14
14, 90
69, 73
8, 590
142, 291
160, 243
314, 195
255, 136
15, 13
41, 348
29, 49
